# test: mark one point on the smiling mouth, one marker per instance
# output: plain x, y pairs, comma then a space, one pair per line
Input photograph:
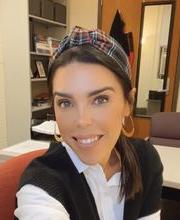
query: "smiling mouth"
88, 141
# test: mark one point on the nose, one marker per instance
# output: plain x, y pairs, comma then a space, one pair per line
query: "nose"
84, 117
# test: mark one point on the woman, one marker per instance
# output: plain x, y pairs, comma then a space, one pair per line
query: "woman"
93, 171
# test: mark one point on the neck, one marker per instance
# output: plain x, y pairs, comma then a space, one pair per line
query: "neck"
113, 165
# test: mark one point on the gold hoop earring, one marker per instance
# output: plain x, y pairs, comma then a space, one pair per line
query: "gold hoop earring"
57, 138
129, 133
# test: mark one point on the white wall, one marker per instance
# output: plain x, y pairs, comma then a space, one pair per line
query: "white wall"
3, 131
83, 13
15, 51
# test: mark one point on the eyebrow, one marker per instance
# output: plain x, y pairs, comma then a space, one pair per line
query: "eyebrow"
95, 92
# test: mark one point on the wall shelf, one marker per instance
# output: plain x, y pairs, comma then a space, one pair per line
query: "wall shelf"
46, 21
40, 54
44, 37
39, 108
38, 79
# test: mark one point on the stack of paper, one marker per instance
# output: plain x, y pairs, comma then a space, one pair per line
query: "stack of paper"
47, 127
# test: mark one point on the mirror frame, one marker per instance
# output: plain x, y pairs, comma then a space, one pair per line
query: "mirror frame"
144, 4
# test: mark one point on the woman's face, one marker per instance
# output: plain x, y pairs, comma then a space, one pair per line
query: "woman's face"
89, 107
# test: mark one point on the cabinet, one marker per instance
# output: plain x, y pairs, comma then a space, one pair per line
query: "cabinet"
47, 26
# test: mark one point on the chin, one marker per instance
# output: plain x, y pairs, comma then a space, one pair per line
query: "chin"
89, 160
90, 154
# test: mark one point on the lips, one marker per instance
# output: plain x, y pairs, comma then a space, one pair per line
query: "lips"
87, 140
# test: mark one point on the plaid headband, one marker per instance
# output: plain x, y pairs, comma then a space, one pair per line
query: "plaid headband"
99, 40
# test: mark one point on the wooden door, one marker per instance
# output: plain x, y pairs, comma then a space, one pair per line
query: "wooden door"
131, 13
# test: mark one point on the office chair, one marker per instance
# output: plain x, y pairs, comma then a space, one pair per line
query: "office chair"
165, 129
10, 173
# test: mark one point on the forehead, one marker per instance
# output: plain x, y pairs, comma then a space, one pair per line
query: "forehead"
80, 77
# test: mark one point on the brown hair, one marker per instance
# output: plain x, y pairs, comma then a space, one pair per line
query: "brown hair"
131, 182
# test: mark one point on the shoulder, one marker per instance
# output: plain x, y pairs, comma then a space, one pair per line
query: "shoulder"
46, 167
148, 158
142, 146
52, 156
146, 152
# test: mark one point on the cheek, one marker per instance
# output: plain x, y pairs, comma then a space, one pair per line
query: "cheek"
64, 121
110, 120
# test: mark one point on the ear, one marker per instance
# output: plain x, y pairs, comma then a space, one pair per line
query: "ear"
130, 102
132, 94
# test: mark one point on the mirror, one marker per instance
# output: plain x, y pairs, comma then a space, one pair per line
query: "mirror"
154, 47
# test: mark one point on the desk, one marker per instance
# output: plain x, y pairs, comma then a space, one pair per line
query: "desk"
170, 157
21, 148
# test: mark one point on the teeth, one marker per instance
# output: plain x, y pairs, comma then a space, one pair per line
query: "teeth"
88, 140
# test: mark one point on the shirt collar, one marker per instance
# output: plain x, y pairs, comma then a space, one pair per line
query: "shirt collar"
80, 166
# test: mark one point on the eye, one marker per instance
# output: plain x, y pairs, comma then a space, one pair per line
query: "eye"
101, 99
64, 103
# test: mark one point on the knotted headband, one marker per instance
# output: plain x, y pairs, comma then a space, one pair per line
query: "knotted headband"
99, 40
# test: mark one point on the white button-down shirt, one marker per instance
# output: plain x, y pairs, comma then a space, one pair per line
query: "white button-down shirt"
34, 203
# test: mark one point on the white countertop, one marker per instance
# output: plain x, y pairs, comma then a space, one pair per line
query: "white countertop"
24, 147
170, 157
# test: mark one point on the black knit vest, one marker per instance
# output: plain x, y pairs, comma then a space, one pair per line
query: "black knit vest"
55, 173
